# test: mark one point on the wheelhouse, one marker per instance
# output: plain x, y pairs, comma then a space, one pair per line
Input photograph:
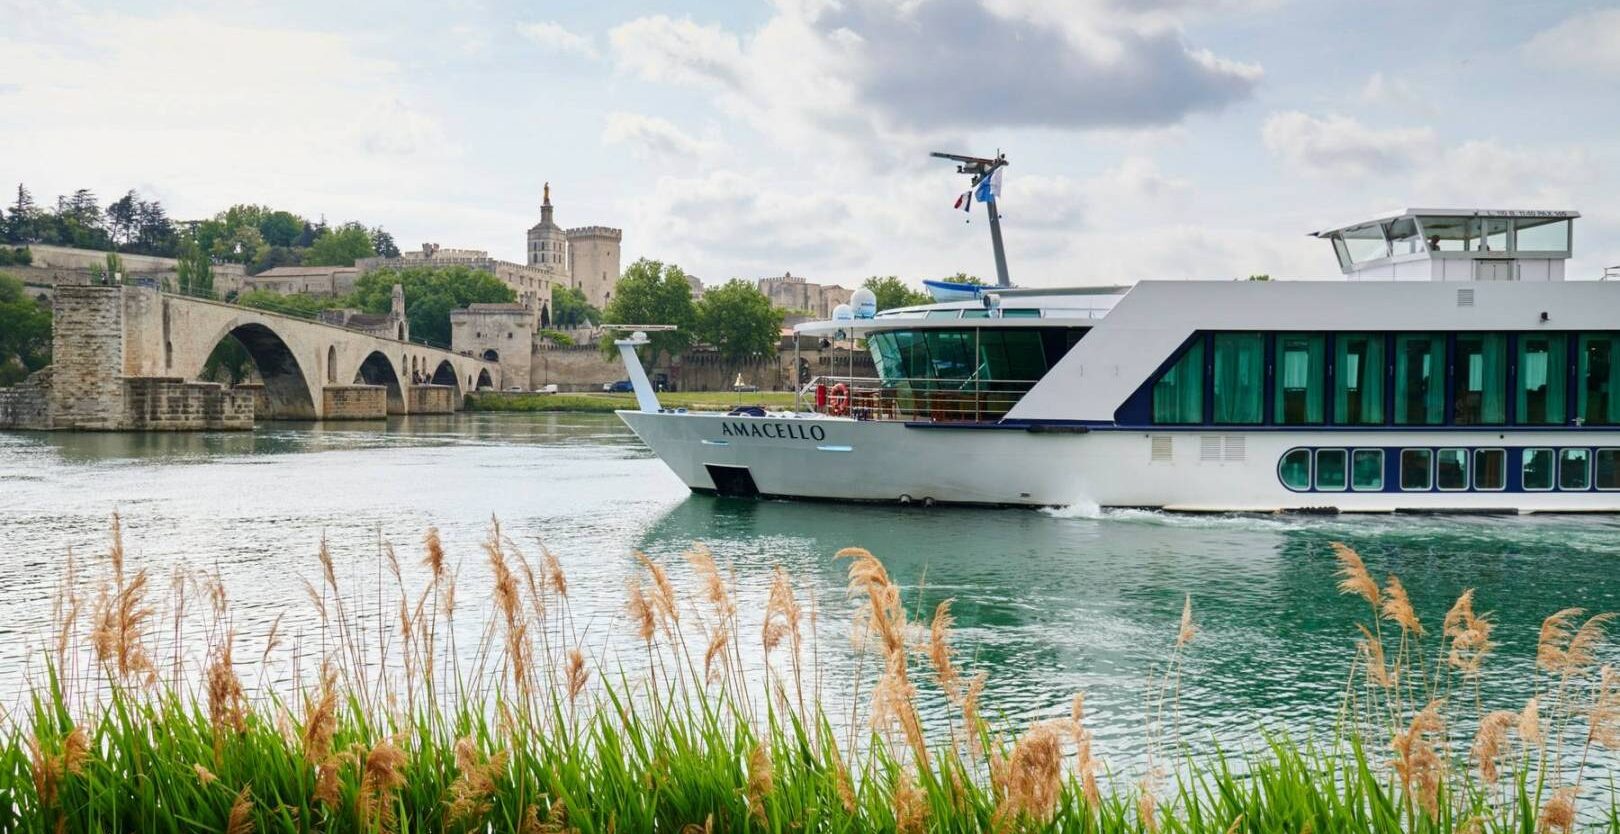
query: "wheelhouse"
1456, 245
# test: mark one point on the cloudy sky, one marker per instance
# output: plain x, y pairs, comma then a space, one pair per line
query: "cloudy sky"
1155, 138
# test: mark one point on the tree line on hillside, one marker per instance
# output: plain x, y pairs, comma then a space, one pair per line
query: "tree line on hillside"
258, 237
734, 318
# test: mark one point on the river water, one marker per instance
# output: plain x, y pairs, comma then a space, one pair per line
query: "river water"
1048, 602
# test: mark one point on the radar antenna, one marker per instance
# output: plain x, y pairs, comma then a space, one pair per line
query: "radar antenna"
981, 169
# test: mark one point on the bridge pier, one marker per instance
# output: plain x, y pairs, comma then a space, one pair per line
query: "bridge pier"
128, 358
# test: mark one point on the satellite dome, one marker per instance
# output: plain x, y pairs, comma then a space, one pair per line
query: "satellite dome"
865, 303
843, 312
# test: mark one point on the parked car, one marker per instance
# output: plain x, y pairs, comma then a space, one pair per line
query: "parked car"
548, 388
621, 387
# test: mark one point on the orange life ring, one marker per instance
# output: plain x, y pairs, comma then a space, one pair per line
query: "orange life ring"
838, 399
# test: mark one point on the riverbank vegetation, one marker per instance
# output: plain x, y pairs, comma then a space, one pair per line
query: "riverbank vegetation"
25, 332
605, 403
716, 719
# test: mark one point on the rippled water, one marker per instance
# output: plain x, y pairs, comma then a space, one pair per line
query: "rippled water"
1048, 603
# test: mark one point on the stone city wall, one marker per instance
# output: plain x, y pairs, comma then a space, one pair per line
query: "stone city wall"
355, 402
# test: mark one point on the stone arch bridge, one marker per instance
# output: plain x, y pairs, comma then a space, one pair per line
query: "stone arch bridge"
130, 358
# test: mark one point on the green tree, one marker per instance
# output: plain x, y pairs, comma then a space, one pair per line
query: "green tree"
430, 294
25, 332
570, 309
281, 228
300, 305
340, 247
194, 273
963, 278
20, 224
650, 292
891, 292
239, 244
738, 321
1261, 277
383, 243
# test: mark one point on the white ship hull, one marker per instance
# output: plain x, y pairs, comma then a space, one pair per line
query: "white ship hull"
1192, 471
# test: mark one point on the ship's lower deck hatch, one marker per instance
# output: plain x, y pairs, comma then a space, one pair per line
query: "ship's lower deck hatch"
732, 480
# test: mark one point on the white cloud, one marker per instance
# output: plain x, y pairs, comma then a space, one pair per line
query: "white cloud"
1385, 91
871, 74
555, 37
122, 97
650, 137
1339, 145
1586, 42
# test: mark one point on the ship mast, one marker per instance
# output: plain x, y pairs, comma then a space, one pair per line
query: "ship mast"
981, 169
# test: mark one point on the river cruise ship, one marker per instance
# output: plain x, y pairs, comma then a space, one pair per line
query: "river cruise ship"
1451, 369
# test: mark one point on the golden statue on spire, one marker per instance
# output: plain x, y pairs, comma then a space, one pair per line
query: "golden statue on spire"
546, 199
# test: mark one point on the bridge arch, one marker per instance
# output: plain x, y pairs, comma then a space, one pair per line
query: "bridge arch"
377, 370
484, 382
288, 392
446, 374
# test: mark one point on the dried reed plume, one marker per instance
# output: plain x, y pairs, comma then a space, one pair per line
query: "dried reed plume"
1489, 742
939, 652
910, 806
1185, 633
1397, 607
470, 793
576, 674
1559, 812
761, 781
1603, 719
1469, 635
782, 614
120, 618
227, 703
1032, 777
1353, 576
1371, 648
663, 596
893, 699
433, 555
240, 820
1565, 649
1417, 761
1530, 722
640, 610
382, 773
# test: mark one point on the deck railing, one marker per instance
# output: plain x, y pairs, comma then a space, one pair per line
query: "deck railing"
914, 399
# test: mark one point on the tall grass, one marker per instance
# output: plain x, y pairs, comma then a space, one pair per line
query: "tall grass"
400, 729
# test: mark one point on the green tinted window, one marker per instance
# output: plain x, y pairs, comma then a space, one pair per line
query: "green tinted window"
1490, 469
1367, 469
1598, 387
1021, 313
1608, 469
1542, 363
949, 354
1417, 467
1574, 469
1358, 379
1295, 469
1240, 367
1301, 369
1479, 379
1330, 469
1420, 388
1178, 395
1451, 469
1538, 468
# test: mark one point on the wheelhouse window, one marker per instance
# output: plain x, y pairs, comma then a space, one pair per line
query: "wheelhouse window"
1331, 466
1178, 395
1543, 361
1358, 379
1479, 379
1240, 366
1447, 234
1367, 470
1495, 232
1295, 469
1598, 394
1541, 234
1417, 470
1574, 469
1538, 469
1365, 243
1404, 238
1301, 369
1451, 469
1420, 359
1490, 469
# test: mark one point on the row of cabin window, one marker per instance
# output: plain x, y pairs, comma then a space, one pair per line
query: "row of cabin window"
1359, 367
1362, 470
